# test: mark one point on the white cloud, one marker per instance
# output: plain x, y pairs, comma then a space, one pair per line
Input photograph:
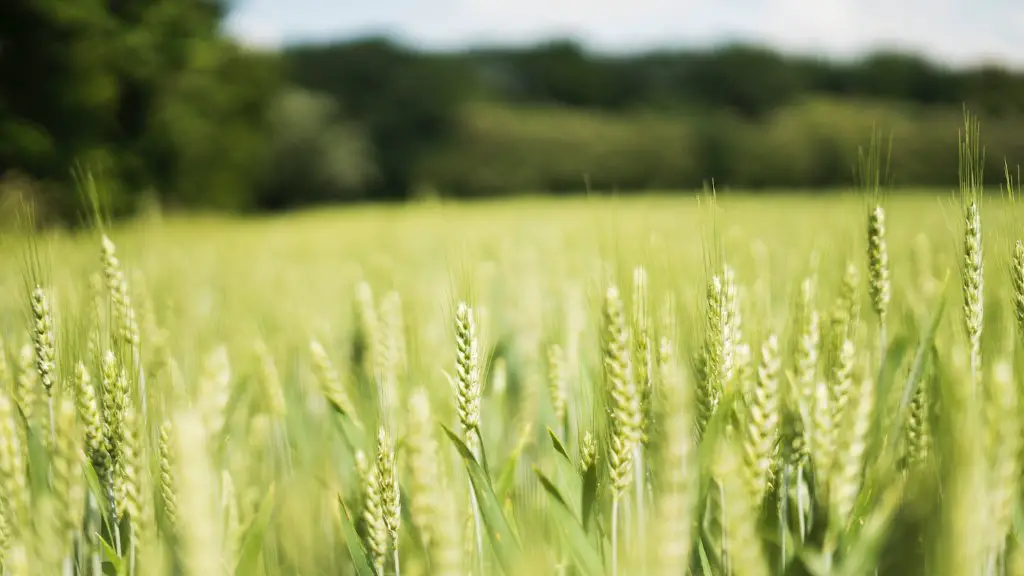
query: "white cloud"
256, 32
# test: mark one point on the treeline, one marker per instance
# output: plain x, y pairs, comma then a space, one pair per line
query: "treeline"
544, 119
748, 80
151, 95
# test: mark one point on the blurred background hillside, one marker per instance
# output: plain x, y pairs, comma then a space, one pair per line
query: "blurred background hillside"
182, 107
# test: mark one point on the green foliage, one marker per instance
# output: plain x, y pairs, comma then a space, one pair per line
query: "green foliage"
502, 150
315, 155
406, 102
147, 90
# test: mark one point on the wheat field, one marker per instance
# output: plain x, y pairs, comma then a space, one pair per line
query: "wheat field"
730, 384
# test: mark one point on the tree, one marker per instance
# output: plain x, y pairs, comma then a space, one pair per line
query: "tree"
143, 87
407, 102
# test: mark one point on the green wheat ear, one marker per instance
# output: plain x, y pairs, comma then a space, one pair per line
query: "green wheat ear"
330, 383
43, 340
467, 375
424, 472
677, 475
763, 417
623, 398
742, 543
13, 481
1017, 281
643, 347
388, 489
1004, 445
855, 436
711, 359
26, 389
167, 482
89, 414
376, 533
919, 430
588, 452
117, 287
625, 420
271, 380
558, 387
971, 164
808, 342
391, 353
66, 468
878, 264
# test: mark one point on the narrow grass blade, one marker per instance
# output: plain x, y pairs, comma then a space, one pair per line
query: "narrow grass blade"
917, 368
253, 540
502, 538
506, 481
99, 494
360, 561
884, 449
862, 555
580, 547
559, 447
118, 563
569, 476
38, 461
705, 562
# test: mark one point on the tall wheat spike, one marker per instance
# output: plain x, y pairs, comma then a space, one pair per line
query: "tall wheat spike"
13, 482
623, 405
558, 387
26, 390
67, 479
366, 341
468, 395
678, 477
391, 360
855, 435
971, 163
711, 361
467, 375
115, 406
198, 535
44, 342
919, 432
1017, 281
387, 486
376, 534
1004, 448
215, 391
742, 542
424, 472
330, 382
762, 423
168, 485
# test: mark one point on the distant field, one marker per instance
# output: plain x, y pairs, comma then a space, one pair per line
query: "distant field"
310, 262
227, 311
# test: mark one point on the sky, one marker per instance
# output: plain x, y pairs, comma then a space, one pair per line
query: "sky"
957, 32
